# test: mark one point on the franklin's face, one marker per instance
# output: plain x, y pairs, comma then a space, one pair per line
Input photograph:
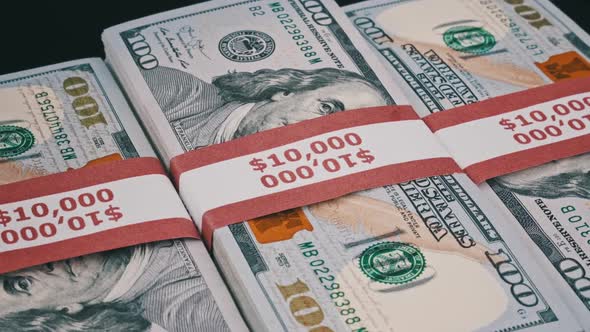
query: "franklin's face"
577, 165
291, 107
63, 285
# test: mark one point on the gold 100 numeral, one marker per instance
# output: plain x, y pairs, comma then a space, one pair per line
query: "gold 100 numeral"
85, 105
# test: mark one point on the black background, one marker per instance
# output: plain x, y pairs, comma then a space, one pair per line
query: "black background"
37, 33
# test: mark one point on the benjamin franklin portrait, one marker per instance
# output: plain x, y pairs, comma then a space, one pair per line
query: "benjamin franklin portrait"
242, 103
130, 289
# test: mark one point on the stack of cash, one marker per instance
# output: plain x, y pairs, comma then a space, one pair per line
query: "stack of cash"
74, 115
210, 73
196, 74
432, 254
461, 51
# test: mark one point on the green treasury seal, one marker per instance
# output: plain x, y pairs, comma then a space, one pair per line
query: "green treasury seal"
15, 140
469, 39
392, 262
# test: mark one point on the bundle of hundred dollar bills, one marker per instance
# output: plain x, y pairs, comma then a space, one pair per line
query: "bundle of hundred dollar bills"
506, 255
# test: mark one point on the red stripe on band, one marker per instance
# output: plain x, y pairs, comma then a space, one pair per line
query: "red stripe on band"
506, 103
276, 137
322, 191
527, 158
151, 231
79, 178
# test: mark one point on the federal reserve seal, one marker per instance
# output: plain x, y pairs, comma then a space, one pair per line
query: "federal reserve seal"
469, 39
15, 140
392, 262
247, 46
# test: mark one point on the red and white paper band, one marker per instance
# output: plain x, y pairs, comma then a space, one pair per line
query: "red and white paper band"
517, 131
88, 210
306, 163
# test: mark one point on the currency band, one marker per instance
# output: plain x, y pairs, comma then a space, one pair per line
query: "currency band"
517, 131
306, 163
88, 210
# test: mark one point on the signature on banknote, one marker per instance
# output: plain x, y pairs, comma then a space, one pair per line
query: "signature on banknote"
188, 36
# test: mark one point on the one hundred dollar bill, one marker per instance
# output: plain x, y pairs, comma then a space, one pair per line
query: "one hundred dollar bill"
459, 52
209, 73
212, 72
550, 204
73, 115
426, 255
64, 117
